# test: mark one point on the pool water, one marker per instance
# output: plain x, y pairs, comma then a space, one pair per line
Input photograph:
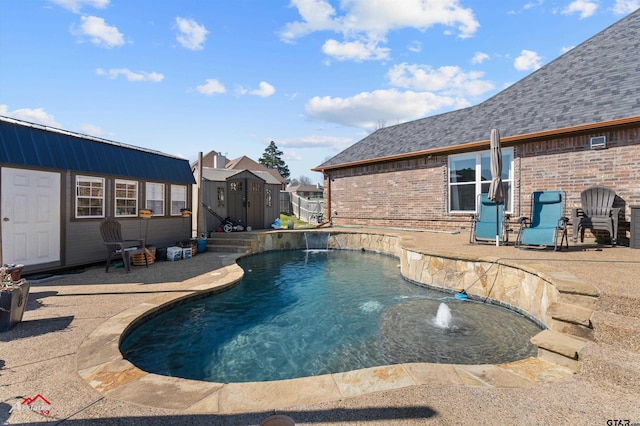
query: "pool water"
304, 313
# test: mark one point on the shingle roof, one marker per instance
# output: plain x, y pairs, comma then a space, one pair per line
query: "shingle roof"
221, 175
246, 163
597, 81
29, 144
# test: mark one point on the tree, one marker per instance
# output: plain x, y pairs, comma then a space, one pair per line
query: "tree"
271, 158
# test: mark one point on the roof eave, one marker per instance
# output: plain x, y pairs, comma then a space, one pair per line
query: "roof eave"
511, 140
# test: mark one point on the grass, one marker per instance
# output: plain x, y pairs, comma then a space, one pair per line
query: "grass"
297, 223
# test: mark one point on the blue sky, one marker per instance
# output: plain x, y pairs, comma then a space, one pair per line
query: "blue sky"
314, 76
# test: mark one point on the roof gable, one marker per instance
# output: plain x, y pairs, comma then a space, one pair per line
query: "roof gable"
246, 163
595, 82
28, 144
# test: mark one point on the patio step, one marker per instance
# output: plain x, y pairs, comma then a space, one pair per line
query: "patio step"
560, 348
231, 242
571, 319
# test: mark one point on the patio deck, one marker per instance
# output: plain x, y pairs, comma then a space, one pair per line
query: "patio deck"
40, 356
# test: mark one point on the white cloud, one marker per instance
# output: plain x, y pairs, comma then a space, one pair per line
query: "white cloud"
585, 8
191, 35
449, 80
622, 7
32, 115
211, 87
93, 130
368, 109
360, 20
76, 5
114, 73
415, 46
99, 32
354, 50
317, 141
479, 58
264, 90
527, 61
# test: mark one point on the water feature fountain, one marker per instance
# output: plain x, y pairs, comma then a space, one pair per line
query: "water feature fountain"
316, 240
443, 316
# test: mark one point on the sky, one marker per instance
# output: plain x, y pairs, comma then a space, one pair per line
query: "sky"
313, 76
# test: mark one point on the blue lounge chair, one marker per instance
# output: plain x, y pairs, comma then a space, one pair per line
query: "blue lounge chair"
483, 223
546, 222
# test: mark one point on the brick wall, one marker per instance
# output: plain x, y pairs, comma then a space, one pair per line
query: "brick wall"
413, 193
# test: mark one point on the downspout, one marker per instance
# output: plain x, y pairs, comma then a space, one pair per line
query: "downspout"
200, 213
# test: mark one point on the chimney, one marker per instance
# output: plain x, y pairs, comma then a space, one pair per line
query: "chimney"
219, 161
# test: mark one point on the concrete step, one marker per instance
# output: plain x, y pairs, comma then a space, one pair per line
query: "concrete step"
571, 319
561, 348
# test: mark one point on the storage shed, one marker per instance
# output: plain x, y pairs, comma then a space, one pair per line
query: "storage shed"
57, 187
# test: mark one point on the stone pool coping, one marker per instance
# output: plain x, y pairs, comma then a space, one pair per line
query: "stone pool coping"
100, 363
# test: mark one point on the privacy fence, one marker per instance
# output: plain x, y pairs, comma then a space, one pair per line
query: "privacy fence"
310, 211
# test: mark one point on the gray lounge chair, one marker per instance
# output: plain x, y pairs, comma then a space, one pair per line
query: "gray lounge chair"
596, 213
112, 239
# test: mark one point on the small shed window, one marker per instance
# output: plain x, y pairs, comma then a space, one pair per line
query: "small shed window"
126, 198
89, 197
178, 199
155, 198
220, 197
268, 197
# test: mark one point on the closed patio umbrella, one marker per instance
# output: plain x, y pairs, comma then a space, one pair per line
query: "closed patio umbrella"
496, 189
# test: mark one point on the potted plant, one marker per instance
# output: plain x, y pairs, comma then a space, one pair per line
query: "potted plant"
14, 292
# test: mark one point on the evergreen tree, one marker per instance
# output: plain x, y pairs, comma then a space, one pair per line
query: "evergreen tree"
271, 158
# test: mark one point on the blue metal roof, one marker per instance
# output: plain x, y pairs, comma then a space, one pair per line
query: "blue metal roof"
28, 144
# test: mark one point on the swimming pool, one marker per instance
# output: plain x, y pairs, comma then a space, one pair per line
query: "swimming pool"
302, 313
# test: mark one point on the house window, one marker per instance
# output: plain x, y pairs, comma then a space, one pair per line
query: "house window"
470, 175
126, 200
256, 187
268, 197
178, 199
155, 198
235, 186
220, 197
89, 197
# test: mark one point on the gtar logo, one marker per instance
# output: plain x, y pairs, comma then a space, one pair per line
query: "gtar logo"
38, 403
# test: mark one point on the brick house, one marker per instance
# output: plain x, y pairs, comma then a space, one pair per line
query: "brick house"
572, 124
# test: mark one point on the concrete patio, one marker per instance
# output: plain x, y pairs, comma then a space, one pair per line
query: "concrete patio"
45, 357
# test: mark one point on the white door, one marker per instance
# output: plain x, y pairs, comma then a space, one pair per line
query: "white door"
30, 216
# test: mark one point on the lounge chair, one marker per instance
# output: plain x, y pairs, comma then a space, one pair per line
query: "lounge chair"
112, 238
546, 222
596, 212
483, 223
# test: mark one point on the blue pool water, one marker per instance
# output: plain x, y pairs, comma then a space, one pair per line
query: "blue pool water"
303, 313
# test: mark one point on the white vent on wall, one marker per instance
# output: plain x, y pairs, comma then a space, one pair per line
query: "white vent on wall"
598, 142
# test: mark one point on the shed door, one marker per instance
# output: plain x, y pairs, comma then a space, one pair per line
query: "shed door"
237, 199
246, 201
255, 205
30, 216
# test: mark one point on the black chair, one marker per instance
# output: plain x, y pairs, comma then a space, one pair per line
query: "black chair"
112, 237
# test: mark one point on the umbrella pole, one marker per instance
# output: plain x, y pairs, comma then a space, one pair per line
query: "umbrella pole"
497, 227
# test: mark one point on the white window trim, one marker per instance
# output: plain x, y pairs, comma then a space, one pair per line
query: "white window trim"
116, 198
478, 176
148, 198
82, 178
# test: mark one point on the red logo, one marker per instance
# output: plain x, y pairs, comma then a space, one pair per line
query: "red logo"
38, 403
